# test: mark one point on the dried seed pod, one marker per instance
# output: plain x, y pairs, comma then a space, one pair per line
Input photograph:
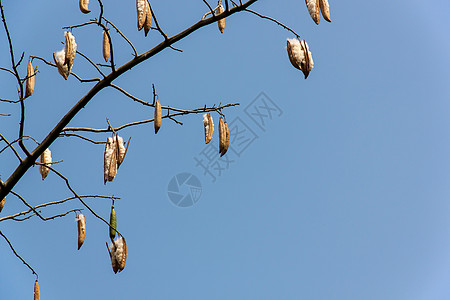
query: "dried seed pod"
59, 61
106, 46
148, 18
221, 23
81, 224
300, 56
46, 158
110, 160
226, 139
113, 223
70, 49
37, 292
118, 254
158, 116
314, 10
84, 6
30, 80
121, 151
221, 135
209, 127
325, 9
140, 7
2, 204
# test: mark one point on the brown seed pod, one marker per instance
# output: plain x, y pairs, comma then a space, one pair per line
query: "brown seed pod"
123, 259
37, 292
106, 46
158, 116
110, 160
46, 158
30, 80
209, 127
325, 8
314, 10
300, 56
84, 6
59, 61
221, 135
221, 23
226, 139
70, 49
140, 7
148, 18
121, 149
118, 254
2, 204
81, 224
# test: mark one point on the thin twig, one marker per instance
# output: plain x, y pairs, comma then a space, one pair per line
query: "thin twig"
14, 251
55, 203
121, 34
92, 63
10, 145
80, 199
64, 134
170, 116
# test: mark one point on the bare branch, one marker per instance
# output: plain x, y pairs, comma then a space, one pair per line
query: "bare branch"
64, 134
8, 70
8, 144
170, 116
16, 254
55, 203
92, 63
273, 20
20, 86
28, 162
79, 198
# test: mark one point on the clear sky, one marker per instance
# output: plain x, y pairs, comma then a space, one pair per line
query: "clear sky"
342, 193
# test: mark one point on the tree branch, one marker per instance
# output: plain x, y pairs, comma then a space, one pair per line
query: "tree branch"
18, 256
54, 133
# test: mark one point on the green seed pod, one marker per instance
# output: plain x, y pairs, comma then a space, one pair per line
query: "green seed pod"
113, 222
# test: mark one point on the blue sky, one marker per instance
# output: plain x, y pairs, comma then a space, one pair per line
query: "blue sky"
342, 195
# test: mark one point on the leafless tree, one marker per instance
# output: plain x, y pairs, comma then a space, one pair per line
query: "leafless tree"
27, 149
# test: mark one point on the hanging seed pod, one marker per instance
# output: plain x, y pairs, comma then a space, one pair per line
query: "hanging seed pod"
300, 56
30, 80
158, 116
81, 225
118, 254
2, 204
110, 160
46, 158
148, 18
106, 46
84, 6
113, 222
209, 127
325, 9
221, 135
140, 7
37, 292
70, 49
121, 151
314, 10
221, 23
226, 139
59, 61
